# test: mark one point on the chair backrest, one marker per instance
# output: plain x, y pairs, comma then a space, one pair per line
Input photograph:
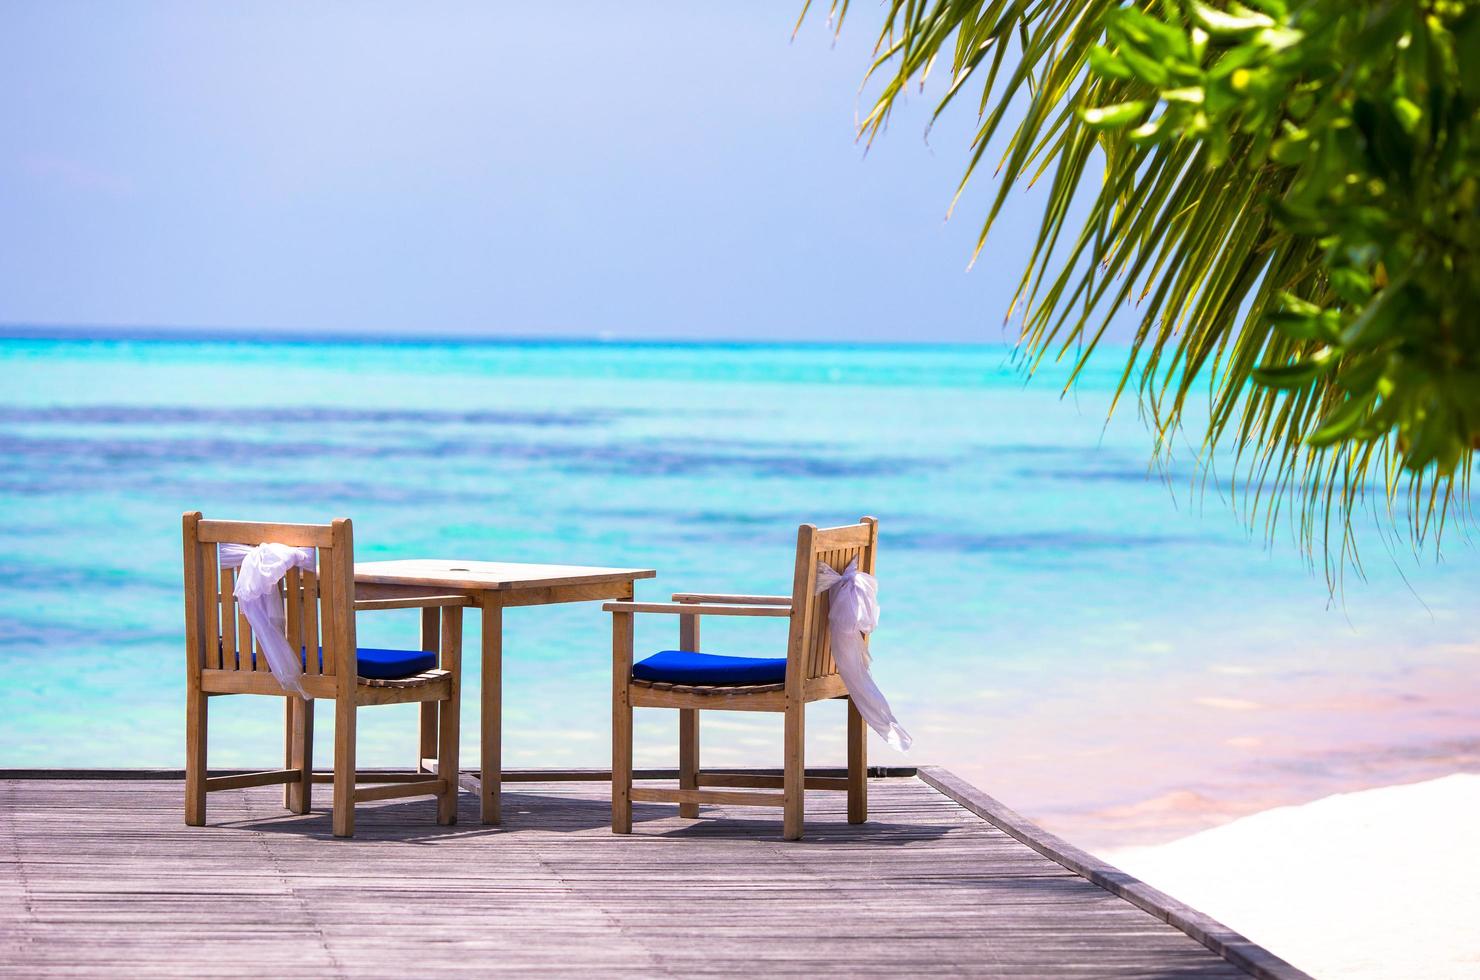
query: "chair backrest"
319, 604
809, 648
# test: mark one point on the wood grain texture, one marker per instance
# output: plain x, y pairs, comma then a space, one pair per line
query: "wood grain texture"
254, 532
483, 575
811, 675
491, 587
491, 704
925, 889
1237, 949
731, 599
449, 728
431, 629
621, 782
319, 608
697, 609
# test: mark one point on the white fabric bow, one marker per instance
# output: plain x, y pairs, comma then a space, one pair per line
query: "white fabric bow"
262, 568
853, 612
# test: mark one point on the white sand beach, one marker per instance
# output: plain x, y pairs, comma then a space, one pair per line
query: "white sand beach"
1381, 883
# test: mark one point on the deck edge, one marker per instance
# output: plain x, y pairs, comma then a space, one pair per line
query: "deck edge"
509, 776
1234, 947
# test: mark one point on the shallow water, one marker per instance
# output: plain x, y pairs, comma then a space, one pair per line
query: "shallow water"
1085, 638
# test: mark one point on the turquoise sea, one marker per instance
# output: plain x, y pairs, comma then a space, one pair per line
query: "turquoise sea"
1089, 639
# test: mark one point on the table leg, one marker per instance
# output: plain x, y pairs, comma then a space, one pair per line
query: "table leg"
431, 627
491, 764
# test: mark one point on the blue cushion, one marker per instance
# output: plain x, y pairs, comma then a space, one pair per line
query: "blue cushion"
390, 665
685, 667
382, 665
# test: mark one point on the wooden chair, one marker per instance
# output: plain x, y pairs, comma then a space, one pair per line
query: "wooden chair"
693, 682
221, 658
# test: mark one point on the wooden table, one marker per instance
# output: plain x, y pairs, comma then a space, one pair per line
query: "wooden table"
492, 587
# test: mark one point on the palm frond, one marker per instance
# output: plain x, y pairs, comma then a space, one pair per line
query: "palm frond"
1285, 192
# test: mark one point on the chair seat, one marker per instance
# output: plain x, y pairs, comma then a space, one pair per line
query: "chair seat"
708, 670
404, 683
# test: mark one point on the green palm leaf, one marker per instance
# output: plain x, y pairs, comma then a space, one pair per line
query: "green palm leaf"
1288, 194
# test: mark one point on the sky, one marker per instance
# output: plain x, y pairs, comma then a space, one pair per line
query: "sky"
643, 169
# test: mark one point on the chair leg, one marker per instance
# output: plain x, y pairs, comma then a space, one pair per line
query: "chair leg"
344, 767
430, 734
688, 757
447, 760
288, 749
195, 759
622, 765
298, 795
857, 766
793, 774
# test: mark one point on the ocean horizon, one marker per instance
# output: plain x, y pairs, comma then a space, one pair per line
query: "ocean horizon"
1101, 642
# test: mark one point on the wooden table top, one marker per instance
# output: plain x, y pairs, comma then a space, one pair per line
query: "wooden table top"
453, 573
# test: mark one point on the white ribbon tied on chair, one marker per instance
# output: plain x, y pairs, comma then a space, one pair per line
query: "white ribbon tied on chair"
853, 612
262, 568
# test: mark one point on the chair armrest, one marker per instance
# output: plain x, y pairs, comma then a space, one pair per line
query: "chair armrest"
696, 609
413, 602
733, 600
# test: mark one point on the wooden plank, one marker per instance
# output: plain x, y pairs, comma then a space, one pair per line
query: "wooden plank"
311, 641
395, 791
247, 656
253, 532
436, 690
292, 590
196, 649
688, 724
271, 778
804, 575
375, 776
299, 795
646, 697
195, 643
793, 743
1228, 944
847, 536
737, 600
641, 794
490, 575
690, 609
449, 731
927, 888
417, 602
555, 594
247, 682
431, 630
621, 723
372, 590
337, 630
822, 688
210, 567
857, 778
491, 700
329, 642
769, 781
793, 769
510, 775
229, 660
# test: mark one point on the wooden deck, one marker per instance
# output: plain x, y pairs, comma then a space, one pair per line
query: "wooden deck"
101, 877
